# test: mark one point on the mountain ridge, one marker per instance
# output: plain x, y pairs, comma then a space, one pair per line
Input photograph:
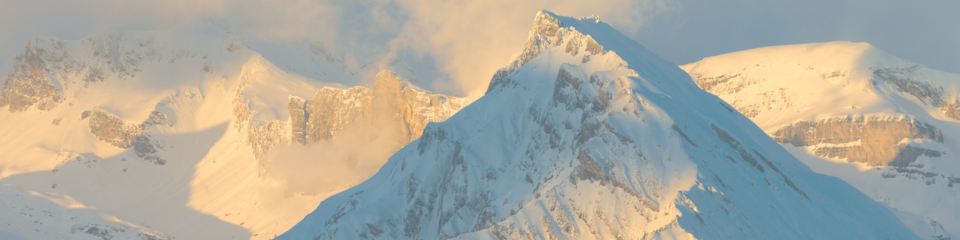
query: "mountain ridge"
187, 133
883, 124
595, 144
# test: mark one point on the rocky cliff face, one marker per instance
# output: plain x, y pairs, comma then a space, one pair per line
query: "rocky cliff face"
874, 141
411, 108
544, 34
332, 109
392, 105
773, 99
111, 129
48, 66
909, 80
28, 84
390, 102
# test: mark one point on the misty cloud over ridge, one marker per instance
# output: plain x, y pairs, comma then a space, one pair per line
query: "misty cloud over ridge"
455, 47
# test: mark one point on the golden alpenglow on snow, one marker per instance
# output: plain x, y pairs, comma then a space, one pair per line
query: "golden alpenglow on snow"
409, 119
885, 125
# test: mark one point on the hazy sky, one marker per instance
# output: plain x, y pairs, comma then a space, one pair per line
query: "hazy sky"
458, 45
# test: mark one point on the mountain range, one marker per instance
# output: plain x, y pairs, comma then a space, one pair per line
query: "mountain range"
586, 134
172, 135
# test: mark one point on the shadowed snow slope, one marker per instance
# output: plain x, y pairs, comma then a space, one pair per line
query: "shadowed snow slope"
887, 126
588, 135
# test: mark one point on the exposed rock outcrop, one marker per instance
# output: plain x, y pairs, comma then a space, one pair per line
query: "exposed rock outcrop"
398, 101
733, 83
874, 141
329, 112
547, 32
298, 118
28, 84
391, 102
391, 108
951, 109
48, 66
261, 138
111, 129
906, 80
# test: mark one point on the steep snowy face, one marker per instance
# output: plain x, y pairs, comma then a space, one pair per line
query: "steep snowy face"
588, 135
195, 136
885, 125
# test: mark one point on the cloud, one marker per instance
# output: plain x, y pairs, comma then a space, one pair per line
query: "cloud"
453, 46
456, 46
329, 166
472, 39
21, 20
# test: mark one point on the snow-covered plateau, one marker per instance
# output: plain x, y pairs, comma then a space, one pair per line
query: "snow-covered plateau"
887, 126
588, 135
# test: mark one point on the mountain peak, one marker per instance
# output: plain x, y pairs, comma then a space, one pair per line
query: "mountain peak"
545, 23
578, 38
545, 14
610, 141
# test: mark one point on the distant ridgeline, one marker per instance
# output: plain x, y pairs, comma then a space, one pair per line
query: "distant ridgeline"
883, 124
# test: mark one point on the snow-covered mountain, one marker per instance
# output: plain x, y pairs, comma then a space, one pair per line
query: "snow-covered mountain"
887, 126
188, 136
589, 135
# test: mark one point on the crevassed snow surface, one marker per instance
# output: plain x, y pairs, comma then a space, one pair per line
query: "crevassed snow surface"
782, 85
589, 135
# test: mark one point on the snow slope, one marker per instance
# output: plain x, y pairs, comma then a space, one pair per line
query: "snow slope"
588, 135
57, 216
885, 125
183, 135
